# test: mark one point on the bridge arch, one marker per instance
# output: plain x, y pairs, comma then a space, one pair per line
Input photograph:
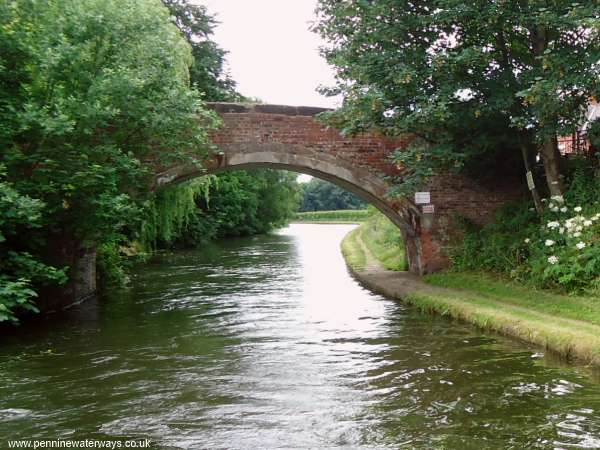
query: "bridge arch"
290, 138
264, 160
367, 189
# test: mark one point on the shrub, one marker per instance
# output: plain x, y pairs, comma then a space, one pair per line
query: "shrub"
498, 246
19, 270
566, 251
559, 249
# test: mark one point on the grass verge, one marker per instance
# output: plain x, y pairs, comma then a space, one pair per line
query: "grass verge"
565, 325
353, 251
340, 216
384, 241
501, 289
568, 326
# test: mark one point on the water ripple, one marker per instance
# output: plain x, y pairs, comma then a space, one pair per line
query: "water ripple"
268, 343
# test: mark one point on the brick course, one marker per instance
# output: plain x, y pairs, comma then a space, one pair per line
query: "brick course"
291, 138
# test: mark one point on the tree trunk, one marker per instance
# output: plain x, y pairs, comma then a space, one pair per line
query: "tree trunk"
551, 157
552, 166
525, 152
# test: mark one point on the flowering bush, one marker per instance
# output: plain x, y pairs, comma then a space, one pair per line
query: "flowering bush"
558, 249
566, 251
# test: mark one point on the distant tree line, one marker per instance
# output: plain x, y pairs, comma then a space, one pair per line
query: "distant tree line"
321, 195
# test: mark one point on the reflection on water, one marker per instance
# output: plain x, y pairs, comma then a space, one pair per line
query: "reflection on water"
268, 343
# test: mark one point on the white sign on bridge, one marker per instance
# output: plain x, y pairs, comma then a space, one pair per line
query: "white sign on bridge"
422, 198
428, 209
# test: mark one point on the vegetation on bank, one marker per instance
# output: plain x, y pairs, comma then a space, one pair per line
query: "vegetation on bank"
353, 251
190, 215
94, 94
384, 241
559, 249
568, 325
240, 203
377, 238
344, 215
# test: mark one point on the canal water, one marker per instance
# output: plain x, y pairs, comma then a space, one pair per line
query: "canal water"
267, 342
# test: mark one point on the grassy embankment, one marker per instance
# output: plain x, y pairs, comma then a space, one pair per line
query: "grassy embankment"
566, 325
340, 216
383, 242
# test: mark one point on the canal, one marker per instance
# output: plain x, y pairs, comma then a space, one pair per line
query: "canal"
267, 342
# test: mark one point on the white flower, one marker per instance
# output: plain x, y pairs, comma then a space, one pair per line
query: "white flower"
577, 209
564, 209
569, 224
527, 240
549, 242
561, 230
553, 259
558, 198
580, 245
553, 225
579, 228
577, 234
587, 223
554, 209
551, 205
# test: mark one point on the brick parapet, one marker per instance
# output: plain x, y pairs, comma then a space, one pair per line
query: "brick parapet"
290, 137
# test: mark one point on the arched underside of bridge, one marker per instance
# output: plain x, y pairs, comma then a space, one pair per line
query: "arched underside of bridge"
292, 138
368, 190
364, 194
365, 184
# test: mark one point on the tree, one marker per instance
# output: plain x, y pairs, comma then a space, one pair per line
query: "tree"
320, 195
207, 73
472, 82
93, 95
238, 203
19, 270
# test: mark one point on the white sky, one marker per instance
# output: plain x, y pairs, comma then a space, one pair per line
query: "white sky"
272, 54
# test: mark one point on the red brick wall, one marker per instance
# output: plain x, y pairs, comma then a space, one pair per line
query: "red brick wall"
293, 132
305, 132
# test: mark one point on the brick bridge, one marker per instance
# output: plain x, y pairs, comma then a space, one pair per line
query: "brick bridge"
287, 137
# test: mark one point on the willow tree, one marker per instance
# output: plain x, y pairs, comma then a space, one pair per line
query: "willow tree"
473, 81
93, 94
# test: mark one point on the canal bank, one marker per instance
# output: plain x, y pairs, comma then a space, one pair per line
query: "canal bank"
566, 325
268, 342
